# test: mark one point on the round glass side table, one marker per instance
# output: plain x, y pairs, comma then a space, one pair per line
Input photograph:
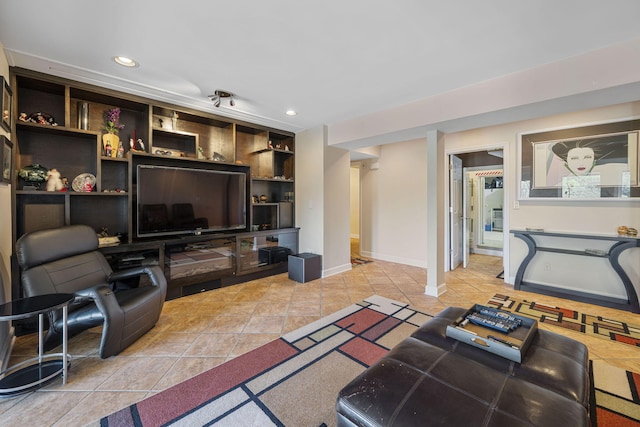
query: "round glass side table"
37, 371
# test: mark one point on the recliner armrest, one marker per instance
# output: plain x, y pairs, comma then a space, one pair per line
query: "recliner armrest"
154, 273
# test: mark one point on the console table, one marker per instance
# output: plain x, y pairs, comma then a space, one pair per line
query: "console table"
618, 245
37, 371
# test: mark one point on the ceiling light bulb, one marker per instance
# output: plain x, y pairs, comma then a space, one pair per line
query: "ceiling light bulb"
217, 103
124, 61
232, 102
291, 113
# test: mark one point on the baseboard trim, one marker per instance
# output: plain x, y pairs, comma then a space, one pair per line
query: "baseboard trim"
395, 259
336, 270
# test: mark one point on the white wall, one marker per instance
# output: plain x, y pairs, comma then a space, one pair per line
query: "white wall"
5, 243
5, 209
337, 246
322, 199
309, 189
394, 203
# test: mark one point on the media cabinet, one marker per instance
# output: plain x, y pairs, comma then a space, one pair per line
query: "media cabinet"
172, 136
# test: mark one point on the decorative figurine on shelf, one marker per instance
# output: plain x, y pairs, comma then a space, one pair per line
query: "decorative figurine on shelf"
217, 157
88, 184
174, 120
140, 145
33, 174
270, 145
39, 118
111, 128
54, 183
65, 184
263, 198
201, 155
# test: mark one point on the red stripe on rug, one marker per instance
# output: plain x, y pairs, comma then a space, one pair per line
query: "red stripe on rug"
382, 328
361, 320
626, 340
364, 351
565, 312
611, 419
635, 380
175, 401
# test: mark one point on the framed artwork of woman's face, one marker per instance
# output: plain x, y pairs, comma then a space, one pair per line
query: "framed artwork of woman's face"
590, 162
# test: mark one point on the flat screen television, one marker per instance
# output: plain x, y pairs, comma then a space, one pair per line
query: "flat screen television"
176, 200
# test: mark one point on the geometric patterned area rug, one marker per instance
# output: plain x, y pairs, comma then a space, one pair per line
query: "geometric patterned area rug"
616, 392
570, 319
294, 380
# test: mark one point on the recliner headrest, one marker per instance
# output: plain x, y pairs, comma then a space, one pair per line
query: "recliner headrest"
43, 246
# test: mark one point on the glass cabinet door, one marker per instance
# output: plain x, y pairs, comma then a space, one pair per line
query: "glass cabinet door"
265, 250
206, 259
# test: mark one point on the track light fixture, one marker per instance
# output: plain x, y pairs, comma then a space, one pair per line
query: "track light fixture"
219, 95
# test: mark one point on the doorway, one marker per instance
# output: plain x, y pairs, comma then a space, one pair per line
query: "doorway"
479, 226
484, 203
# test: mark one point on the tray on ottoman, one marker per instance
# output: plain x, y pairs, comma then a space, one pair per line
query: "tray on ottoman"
505, 334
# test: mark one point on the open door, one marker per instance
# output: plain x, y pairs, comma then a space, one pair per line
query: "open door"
456, 211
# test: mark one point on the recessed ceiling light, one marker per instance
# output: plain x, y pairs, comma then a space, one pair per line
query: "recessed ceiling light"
124, 61
291, 113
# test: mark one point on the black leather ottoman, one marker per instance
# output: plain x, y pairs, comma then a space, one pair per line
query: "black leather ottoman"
431, 380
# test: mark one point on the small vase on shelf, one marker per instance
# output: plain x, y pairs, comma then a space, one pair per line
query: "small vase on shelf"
110, 139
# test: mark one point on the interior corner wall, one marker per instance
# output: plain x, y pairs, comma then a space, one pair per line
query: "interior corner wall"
322, 199
394, 204
337, 244
309, 189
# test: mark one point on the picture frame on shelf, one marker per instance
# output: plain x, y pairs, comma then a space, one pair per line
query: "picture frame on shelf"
592, 162
5, 105
6, 160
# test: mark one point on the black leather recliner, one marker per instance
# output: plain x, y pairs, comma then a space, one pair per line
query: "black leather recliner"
67, 260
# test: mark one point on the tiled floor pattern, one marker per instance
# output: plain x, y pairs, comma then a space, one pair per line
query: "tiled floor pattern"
201, 331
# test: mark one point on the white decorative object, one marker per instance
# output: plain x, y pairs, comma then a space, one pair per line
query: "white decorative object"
54, 183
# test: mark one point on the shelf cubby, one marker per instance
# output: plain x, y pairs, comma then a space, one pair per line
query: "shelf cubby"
215, 136
71, 153
178, 143
112, 215
34, 95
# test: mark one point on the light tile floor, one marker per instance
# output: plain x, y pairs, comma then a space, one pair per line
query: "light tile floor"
201, 331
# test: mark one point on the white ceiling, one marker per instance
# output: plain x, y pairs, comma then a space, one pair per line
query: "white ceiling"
329, 60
